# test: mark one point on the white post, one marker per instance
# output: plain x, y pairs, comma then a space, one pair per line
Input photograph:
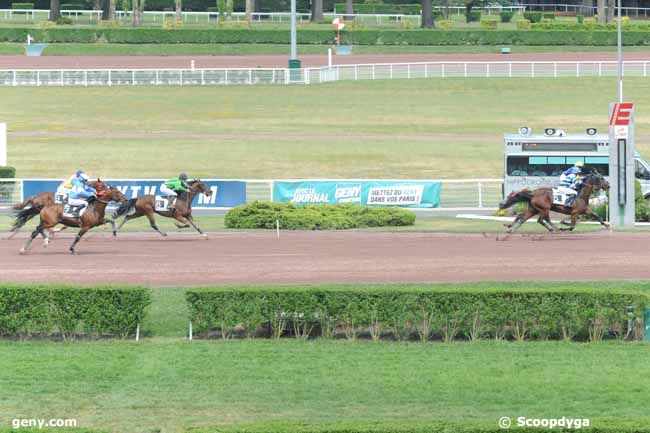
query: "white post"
329, 58
190, 334
192, 64
3, 144
480, 195
137, 333
277, 228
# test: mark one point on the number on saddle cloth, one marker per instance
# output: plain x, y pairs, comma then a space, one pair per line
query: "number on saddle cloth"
60, 198
70, 211
161, 203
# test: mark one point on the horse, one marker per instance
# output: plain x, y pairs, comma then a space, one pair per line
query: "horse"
93, 216
145, 206
33, 204
540, 202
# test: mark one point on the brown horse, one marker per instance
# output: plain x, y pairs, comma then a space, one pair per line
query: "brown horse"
93, 216
145, 206
540, 202
33, 204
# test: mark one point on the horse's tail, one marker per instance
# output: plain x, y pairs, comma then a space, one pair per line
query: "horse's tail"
21, 217
23, 204
516, 197
124, 208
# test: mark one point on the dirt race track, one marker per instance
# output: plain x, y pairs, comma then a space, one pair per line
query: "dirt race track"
326, 257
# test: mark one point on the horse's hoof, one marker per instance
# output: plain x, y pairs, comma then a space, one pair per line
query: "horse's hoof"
73, 252
46, 243
22, 251
204, 235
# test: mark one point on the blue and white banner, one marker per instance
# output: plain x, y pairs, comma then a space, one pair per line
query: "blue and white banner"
225, 193
370, 193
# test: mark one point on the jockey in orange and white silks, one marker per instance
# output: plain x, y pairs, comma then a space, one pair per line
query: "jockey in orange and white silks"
569, 181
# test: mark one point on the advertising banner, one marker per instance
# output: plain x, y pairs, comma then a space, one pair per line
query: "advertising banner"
224, 193
371, 193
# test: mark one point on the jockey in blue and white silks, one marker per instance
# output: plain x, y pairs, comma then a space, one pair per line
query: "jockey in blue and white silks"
569, 180
80, 192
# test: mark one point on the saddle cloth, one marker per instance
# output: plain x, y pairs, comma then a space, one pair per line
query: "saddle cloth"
162, 203
60, 198
560, 198
70, 211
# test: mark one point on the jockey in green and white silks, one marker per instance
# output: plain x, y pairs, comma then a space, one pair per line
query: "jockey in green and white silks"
569, 181
172, 187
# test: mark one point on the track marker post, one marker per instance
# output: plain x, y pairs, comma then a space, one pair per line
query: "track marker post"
137, 333
277, 228
189, 337
3, 144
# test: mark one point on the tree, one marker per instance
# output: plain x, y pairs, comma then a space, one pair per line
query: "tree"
470, 4
55, 10
611, 6
602, 17
349, 10
316, 10
250, 7
588, 8
138, 11
179, 8
427, 14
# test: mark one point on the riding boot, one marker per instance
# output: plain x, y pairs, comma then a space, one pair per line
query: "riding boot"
172, 204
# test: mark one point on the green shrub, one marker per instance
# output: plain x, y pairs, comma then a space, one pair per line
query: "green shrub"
506, 16
61, 20
69, 312
73, 7
533, 17
523, 25
263, 215
7, 172
548, 16
489, 23
414, 313
580, 18
445, 24
22, 6
473, 16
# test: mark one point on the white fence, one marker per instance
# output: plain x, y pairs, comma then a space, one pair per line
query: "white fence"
249, 76
455, 194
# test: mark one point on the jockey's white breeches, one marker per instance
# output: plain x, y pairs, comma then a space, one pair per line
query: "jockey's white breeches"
77, 202
566, 190
166, 191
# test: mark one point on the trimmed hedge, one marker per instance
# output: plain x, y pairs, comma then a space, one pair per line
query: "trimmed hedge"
473, 16
411, 313
67, 312
363, 8
356, 37
263, 215
22, 6
533, 17
7, 172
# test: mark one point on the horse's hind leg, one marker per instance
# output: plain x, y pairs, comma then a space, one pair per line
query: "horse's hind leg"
522, 218
28, 242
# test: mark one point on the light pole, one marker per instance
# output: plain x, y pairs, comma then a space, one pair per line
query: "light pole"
294, 63
619, 69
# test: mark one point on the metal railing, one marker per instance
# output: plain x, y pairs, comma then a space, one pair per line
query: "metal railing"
455, 194
250, 76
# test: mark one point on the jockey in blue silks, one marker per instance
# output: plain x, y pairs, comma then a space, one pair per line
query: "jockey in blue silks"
80, 192
569, 181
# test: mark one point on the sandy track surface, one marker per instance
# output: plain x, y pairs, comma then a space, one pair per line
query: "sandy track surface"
330, 257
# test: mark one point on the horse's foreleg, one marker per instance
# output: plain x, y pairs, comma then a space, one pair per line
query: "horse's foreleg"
78, 238
191, 221
598, 218
152, 223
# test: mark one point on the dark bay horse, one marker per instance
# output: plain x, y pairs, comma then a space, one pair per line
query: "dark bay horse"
540, 202
145, 206
33, 204
93, 216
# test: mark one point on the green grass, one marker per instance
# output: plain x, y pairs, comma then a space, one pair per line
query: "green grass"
438, 128
171, 385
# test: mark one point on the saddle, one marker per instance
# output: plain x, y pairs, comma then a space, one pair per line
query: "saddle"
562, 199
161, 203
